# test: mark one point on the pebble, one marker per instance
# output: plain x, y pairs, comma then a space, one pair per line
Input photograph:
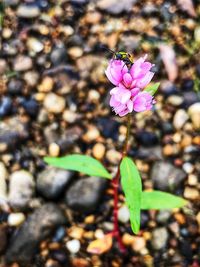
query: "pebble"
159, 238
188, 167
138, 244
191, 193
52, 182
21, 189
123, 214
147, 139
73, 246
12, 132
31, 78
59, 234
115, 7
113, 156
3, 186
98, 151
91, 134
28, 11
127, 239
58, 56
194, 113
22, 63
75, 232
192, 180
75, 52
35, 45
180, 119
90, 190
70, 116
5, 106
15, 219
54, 150
15, 86
46, 85
54, 103
163, 216
166, 177
175, 100
38, 226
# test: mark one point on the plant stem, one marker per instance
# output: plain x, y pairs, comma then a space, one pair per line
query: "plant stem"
115, 184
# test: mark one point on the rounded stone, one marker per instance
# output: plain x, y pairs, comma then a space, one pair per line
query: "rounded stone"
15, 219
73, 246
52, 182
99, 151
21, 189
54, 103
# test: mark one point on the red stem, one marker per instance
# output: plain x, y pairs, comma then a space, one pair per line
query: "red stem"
115, 184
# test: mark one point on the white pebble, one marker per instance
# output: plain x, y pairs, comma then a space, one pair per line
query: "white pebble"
15, 219
123, 214
73, 245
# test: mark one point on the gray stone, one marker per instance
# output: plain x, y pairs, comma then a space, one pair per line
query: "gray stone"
159, 238
21, 189
58, 55
163, 216
85, 194
11, 133
116, 7
166, 177
28, 11
52, 182
25, 241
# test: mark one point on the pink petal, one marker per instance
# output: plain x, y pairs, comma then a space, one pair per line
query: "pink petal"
114, 91
135, 91
143, 82
130, 105
113, 101
123, 113
127, 79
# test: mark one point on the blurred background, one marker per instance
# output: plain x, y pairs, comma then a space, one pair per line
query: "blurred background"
54, 100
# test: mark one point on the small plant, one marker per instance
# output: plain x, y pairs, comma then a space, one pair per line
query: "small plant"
132, 92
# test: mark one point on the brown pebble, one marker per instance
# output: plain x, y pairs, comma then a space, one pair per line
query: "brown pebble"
80, 262
89, 219
127, 239
180, 218
98, 151
54, 246
196, 140
75, 232
46, 85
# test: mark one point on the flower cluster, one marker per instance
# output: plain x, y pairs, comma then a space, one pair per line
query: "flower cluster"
128, 95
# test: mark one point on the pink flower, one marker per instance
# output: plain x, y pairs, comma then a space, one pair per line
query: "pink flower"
128, 95
139, 74
124, 101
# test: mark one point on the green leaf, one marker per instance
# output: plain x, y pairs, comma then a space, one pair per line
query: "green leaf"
132, 187
81, 163
158, 200
152, 88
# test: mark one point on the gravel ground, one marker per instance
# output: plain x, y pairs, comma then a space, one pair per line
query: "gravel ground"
54, 101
